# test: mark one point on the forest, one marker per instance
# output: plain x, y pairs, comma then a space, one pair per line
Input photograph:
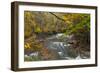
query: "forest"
56, 36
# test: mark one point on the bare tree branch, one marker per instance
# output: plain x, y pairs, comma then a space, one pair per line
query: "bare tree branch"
57, 16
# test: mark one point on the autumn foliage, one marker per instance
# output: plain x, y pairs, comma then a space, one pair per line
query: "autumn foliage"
39, 25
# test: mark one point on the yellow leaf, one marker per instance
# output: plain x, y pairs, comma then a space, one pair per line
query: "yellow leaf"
27, 45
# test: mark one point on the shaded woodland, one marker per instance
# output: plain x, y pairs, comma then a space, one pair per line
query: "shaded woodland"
56, 36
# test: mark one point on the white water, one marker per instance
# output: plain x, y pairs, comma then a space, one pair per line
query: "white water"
61, 46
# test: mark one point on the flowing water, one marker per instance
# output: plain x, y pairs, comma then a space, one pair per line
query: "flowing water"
59, 44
